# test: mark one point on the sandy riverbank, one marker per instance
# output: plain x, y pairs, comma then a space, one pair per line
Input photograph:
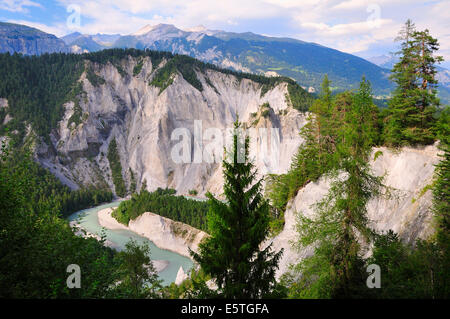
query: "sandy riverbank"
106, 220
163, 232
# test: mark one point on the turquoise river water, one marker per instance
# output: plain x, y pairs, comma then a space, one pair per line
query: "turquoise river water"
88, 220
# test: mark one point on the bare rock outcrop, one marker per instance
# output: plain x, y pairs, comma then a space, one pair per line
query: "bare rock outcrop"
142, 118
163, 232
409, 174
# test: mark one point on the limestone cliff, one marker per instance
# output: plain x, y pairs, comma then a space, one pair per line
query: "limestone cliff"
142, 117
408, 173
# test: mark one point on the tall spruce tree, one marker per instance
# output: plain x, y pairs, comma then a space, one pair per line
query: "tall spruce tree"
410, 120
335, 269
232, 255
321, 126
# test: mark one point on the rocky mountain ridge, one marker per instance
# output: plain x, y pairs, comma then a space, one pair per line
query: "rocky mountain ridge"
125, 106
305, 62
28, 41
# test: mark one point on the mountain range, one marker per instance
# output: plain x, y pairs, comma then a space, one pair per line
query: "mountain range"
305, 62
248, 52
83, 43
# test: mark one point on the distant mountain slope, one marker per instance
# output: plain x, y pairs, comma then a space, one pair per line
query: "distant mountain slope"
105, 39
384, 61
29, 41
83, 43
68, 39
305, 62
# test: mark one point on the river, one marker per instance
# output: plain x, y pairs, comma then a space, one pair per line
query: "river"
87, 219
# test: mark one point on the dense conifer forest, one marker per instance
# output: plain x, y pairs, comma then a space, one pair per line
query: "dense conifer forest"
164, 202
37, 244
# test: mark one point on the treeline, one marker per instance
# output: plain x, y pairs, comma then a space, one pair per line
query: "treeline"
115, 56
163, 202
299, 98
72, 201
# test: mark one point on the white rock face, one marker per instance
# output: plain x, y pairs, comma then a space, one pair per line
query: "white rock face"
142, 120
163, 232
407, 212
83, 233
160, 265
3, 103
181, 276
8, 118
106, 220
167, 234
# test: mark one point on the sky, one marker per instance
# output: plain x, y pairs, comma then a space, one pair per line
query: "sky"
362, 27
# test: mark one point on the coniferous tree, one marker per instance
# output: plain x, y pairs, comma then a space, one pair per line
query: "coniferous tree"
232, 254
138, 277
411, 108
321, 124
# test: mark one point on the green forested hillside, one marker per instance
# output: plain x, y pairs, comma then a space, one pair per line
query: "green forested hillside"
37, 245
37, 87
116, 168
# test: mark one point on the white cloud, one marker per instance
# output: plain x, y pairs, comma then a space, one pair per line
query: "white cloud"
349, 29
127, 16
17, 5
361, 4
